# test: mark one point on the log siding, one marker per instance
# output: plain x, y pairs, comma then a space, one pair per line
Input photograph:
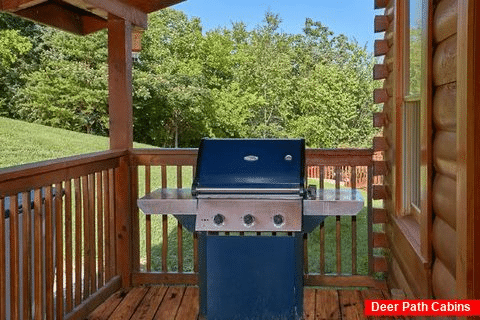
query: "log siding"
444, 141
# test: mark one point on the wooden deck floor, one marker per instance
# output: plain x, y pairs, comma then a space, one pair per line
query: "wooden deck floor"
180, 302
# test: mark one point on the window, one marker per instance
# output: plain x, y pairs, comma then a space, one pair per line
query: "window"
412, 107
414, 53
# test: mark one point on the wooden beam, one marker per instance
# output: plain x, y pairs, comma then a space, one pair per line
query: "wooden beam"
379, 215
380, 264
93, 24
380, 144
380, 95
54, 15
380, 72
380, 4
15, 5
381, 47
154, 5
380, 168
468, 150
381, 23
379, 119
121, 10
380, 192
380, 240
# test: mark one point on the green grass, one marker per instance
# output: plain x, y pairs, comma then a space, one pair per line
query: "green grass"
23, 142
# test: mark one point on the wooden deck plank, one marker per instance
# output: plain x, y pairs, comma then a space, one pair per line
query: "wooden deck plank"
105, 310
309, 304
150, 303
169, 307
189, 307
129, 304
182, 303
351, 305
326, 305
373, 294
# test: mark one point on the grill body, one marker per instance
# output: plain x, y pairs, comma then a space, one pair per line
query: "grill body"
250, 209
251, 277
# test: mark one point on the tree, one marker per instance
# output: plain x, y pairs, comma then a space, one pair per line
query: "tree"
14, 46
69, 90
228, 82
171, 97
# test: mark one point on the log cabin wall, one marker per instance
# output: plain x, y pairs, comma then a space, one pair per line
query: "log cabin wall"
407, 269
444, 143
423, 256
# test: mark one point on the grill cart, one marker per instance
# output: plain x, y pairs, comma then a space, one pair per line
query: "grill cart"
250, 207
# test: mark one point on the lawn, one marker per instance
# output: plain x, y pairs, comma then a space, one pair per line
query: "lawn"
25, 142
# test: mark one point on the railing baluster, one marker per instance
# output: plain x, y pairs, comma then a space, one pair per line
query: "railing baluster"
100, 234
353, 185
338, 178
86, 238
106, 219
135, 224
179, 225
322, 247
59, 249
370, 219
78, 241
195, 236
321, 181
305, 253
91, 229
26, 254
148, 222
38, 252
14, 259
49, 252
68, 247
111, 177
3, 266
164, 225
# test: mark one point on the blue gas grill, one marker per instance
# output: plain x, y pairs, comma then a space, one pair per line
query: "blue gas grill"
251, 209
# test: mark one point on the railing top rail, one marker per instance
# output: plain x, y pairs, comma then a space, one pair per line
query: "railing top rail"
315, 157
339, 157
34, 175
162, 156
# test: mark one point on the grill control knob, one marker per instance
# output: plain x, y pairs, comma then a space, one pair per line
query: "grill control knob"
219, 219
248, 219
278, 219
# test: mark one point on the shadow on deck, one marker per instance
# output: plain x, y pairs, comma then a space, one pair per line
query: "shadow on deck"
180, 302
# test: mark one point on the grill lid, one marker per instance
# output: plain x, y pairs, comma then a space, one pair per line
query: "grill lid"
250, 166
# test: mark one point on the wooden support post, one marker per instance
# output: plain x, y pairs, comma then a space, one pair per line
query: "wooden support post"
121, 137
468, 150
120, 83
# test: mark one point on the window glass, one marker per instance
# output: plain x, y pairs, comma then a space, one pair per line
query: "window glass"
415, 46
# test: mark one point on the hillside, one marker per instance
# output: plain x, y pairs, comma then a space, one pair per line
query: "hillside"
23, 142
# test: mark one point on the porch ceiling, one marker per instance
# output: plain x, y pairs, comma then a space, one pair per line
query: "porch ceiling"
84, 16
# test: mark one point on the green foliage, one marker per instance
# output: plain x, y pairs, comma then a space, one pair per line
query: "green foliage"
228, 82
12, 45
70, 89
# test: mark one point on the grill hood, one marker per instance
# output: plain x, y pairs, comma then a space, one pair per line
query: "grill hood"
250, 165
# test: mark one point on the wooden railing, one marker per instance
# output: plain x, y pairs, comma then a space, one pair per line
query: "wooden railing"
63, 230
57, 219
340, 252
